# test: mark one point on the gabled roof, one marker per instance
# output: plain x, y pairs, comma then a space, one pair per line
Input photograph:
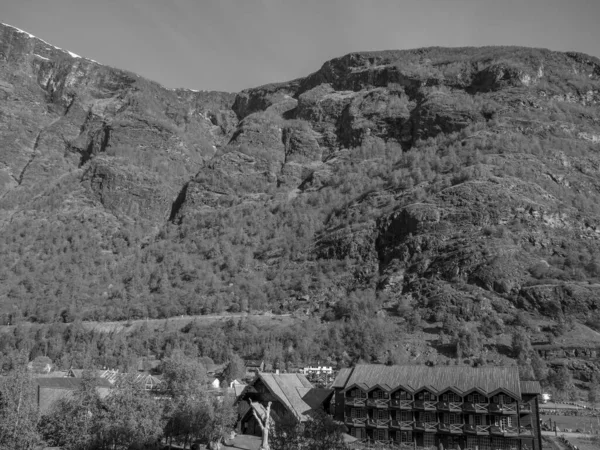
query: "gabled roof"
531, 387
238, 389
438, 378
253, 362
295, 392
342, 378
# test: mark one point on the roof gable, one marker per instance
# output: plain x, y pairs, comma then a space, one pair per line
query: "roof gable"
294, 392
435, 379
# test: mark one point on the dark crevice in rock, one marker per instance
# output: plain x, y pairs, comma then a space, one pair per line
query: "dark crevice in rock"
94, 147
178, 203
71, 103
31, 158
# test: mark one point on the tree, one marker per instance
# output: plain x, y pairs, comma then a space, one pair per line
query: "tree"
219, 419
235, 370
264, 423
594, 392
18, 410
319, 432
540, 370
561, 379
129, 415
183, 384
521, 345
71, 421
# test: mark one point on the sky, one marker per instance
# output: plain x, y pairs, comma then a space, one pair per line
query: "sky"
231, 45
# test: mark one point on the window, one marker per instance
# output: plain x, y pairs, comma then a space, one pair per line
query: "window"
380, 394
498, 443
359, 433
428, 440
404, 436
382, 415
484, 443
380, 435
357, 393
404, 416
427, 396
470, 398
471, 442
402, 395
451, 397
427, 417
357, 413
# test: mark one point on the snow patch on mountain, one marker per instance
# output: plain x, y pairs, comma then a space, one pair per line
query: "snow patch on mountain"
73, 55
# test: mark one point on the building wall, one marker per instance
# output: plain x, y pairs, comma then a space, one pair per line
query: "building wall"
464, 439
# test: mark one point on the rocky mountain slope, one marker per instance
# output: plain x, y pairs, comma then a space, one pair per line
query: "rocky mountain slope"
434, 182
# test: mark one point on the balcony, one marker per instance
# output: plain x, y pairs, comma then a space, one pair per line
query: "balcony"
506, 408
378, 423
477, 408
355, 401
450, 428
504, 431
406, 446
404, 425
480, 430
430, 427
425, 405
526, 432
525, 408
355, 421
378, 403
449, 406
401, 404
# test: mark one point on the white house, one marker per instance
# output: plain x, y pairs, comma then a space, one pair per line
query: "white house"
215, 384
317, 370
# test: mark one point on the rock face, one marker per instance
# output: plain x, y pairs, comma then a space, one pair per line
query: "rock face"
463, 180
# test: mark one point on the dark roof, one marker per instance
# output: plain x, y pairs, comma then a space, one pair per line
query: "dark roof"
253, 362
531, 387
342, 378
68, 382
437, 379
295, 392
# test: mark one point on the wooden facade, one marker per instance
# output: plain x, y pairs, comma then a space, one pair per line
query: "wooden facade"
428, 415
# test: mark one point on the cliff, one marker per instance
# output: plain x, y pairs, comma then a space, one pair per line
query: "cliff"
450, 182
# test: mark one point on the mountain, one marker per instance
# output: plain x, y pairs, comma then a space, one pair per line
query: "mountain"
438, 182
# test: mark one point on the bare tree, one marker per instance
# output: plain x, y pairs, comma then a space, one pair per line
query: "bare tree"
264, 425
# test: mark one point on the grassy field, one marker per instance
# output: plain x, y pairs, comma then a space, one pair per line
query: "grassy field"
176, 323
584, 443
587, 424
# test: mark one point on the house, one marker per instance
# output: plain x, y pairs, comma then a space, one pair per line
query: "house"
317, 370
49, 390
421, 406
146, 381
148, 365
237, 387
109, 374
292, 397
215, 370
254, 366
40, 365
215, 383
